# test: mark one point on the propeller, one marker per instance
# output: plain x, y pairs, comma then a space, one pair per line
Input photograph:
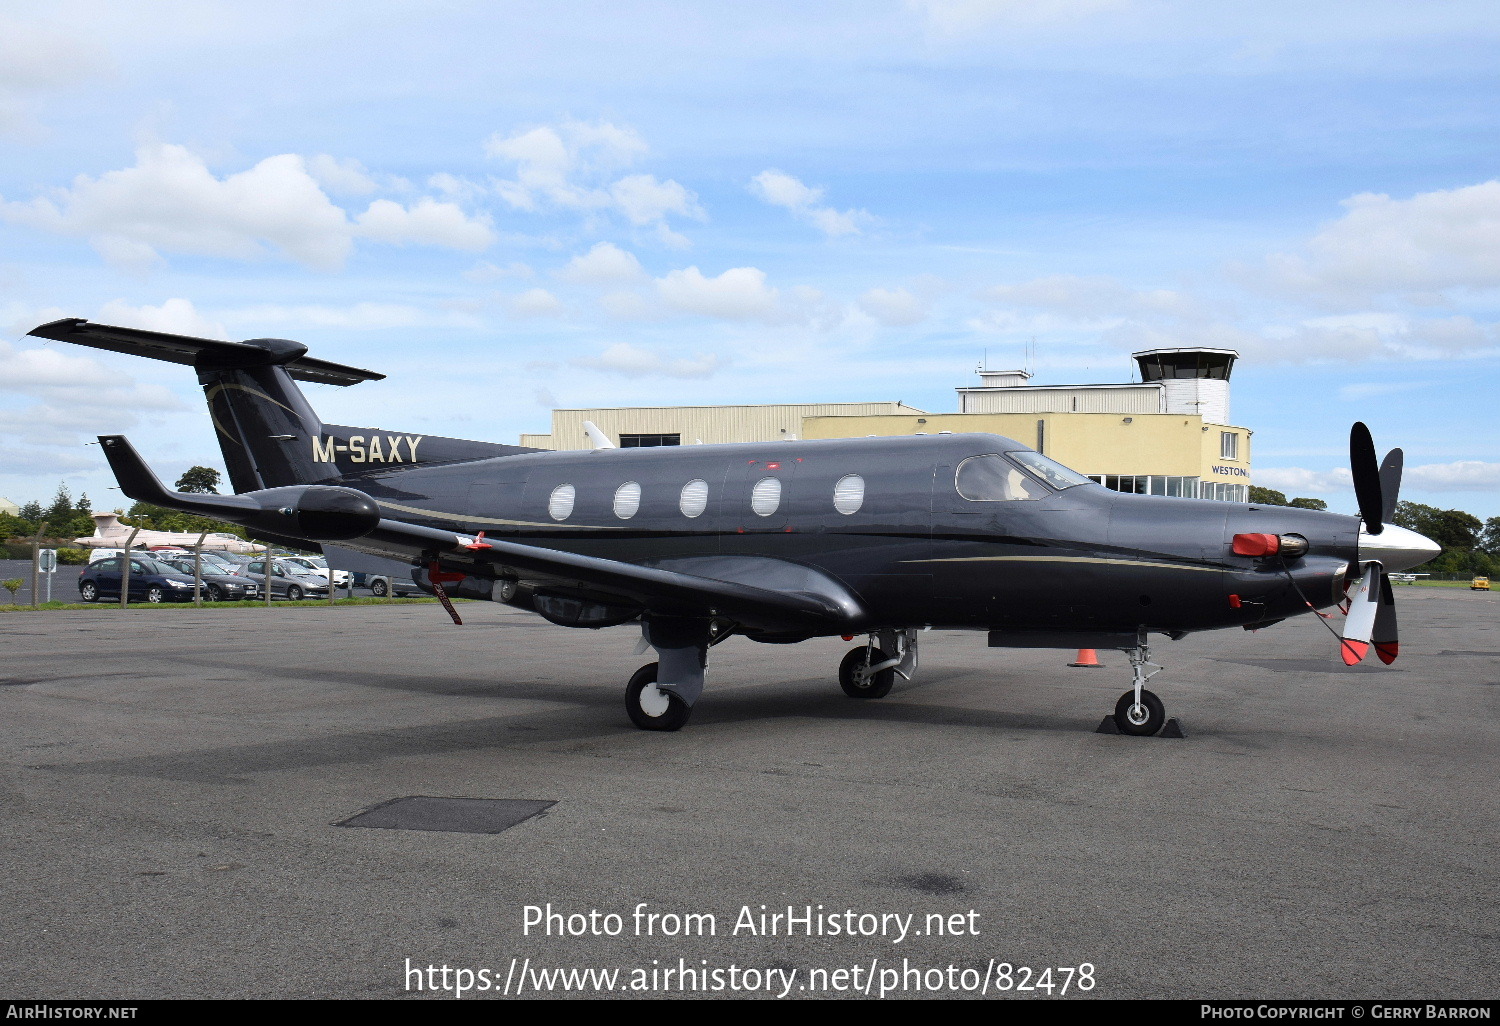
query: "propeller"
1372, 609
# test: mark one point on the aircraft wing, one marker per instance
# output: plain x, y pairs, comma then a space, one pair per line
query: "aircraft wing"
793, 598
822, 606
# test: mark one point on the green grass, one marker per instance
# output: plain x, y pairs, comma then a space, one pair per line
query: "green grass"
1442, 584
278, 604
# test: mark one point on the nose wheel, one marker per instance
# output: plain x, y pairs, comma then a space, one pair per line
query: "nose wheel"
1142, 717
1139, 712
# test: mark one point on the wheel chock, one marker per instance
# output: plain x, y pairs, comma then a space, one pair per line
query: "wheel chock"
1172, 728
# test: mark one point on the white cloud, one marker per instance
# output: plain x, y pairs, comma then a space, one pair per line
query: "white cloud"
1296, 481
170, 201
893, 307
1459, 476
341, 177
571, 166
783, 190
645, 200
534, 303
175, 316
628, 306
632, 362
427, 222
605, 264
740, 293
1433, 242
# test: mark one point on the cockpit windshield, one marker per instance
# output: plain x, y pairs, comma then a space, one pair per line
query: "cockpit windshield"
995, 479
1054, 473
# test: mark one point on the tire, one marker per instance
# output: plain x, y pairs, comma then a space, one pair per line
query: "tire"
644, 703
294, 594
854, 680
379, 588
88, 591
155, 593
214, 594
1156, 714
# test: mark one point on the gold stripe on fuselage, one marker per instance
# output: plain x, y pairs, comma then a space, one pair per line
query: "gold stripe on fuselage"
1066, 559
437, 514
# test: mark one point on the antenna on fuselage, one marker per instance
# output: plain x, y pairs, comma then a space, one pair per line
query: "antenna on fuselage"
598, 438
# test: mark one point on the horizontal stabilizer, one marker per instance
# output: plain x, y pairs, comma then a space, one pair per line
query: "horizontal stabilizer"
203, 352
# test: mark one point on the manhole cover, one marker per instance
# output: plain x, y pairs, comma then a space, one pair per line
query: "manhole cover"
459, 815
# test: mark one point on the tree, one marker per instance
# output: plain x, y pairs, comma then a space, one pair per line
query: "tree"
14, 526
60, 512
1450, 528
199, 479
1267, 496
33, 512
1489, 541
1304, 503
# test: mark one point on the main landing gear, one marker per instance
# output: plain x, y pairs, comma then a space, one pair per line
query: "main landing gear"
1139, 712
870, 670
661, 695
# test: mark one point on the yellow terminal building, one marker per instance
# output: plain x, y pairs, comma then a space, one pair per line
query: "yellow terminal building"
1167, 434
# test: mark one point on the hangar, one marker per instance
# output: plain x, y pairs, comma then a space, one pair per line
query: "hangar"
1167, 434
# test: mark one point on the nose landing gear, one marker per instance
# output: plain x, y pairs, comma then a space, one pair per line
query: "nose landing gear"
1139, 712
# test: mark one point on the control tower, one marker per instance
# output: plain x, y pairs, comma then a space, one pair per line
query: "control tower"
1193, 380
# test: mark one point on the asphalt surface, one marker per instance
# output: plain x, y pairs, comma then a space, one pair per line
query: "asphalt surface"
173, 780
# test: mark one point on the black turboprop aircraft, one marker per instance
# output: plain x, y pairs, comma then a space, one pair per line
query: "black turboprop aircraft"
777, 541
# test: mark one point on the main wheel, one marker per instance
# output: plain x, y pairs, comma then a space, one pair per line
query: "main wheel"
649, 707
379, 588
1142, 722
88, 591
857, 680
294, 594
155, 593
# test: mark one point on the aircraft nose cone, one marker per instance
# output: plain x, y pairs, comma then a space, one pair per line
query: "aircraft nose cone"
1396, 548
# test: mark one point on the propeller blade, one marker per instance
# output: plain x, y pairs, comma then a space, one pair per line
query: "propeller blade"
1390, 484
1359, 625
1366, 477
1384, 636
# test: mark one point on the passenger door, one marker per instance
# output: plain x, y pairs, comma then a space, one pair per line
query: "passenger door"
107, 576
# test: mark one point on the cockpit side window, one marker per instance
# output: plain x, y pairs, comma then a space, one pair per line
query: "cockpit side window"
995, 479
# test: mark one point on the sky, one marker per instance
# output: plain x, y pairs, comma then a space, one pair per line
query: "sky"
511, 207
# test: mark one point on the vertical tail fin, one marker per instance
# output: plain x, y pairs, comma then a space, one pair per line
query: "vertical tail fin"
269, 434
267, 431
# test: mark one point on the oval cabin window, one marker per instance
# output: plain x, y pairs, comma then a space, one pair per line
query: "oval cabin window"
560, 505
766, 496
627, 500
694, 498
849, 494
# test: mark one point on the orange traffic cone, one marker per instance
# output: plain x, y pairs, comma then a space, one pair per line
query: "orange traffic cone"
1088, 658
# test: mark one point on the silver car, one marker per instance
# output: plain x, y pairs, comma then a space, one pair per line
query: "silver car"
288, 581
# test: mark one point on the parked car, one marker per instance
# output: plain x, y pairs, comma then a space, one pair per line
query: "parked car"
288, 581
219, 583
319, 566
150, 579
1479, 584
380, 586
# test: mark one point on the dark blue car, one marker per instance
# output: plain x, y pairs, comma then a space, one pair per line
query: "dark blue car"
150, 579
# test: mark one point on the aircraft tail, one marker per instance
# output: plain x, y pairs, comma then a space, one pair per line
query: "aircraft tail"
269, 434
